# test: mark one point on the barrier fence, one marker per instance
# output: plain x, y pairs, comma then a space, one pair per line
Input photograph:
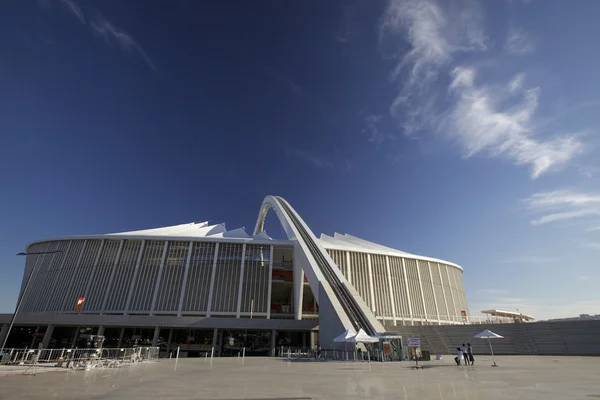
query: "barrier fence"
79, 358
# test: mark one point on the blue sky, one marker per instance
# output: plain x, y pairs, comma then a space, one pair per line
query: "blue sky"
461, 130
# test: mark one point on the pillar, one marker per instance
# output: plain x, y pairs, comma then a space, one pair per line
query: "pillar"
3, 333
100, 331
215, 339
75, 336
37, 330
273, 341
47, 336
121, 337
169, 340
298, 291
312, 339
156, 336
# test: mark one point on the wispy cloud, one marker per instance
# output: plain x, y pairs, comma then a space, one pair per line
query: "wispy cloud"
433, 38
518, 41
75, 9
529, 260
480, 124
101, 27
516, 83
273, 72
560, 198
497, 120
562, 216
334, 162
593, 228
371, 129
562, 205
592, 245
111, 34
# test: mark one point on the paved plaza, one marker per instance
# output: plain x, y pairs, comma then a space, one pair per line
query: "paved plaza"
522, 377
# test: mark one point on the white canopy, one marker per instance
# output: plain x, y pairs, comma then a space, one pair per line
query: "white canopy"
362, 337
343, 338
488, 335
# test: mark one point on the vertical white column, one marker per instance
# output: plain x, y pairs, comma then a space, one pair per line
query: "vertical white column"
407, 291
437, 311
298, 291
270, 283
212, 280
390, 287
134, 277
51, 299
443, 292
185, 278
93, 273
66, 299
372, 290
112, 276
158, 278
241, 285
458, 294
421, 287
348, 267
451, 293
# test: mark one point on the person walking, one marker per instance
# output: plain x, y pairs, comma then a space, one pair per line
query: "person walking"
319, 352
470, 353
465, 354
458, 355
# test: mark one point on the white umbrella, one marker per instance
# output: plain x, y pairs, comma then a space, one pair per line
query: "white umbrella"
489, 335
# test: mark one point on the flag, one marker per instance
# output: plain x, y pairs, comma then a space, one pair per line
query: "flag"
79, 304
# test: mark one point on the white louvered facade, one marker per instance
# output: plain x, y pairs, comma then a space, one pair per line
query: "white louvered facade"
204, 270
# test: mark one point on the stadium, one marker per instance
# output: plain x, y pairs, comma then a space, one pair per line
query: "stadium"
197, 286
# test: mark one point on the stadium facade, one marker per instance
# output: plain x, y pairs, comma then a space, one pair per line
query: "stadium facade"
198, 286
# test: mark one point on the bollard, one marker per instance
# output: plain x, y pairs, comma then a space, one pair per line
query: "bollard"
243, 355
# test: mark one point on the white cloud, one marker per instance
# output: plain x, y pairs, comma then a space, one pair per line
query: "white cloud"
593, 228
565, 205
335, 162
516, 83
562, 216
592, 245
518, 41
102, 28
529, 260
371, 129
586, 278
480, 124
109, 32
433, 38
559, 198
75, 9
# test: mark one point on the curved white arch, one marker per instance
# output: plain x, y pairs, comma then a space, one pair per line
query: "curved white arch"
303, 238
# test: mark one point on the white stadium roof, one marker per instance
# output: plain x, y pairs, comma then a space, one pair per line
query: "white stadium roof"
198, 230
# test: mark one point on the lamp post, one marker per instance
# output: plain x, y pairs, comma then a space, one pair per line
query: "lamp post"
22, 295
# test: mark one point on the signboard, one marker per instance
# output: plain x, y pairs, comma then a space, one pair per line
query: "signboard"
79, 304
414, 342
387, 348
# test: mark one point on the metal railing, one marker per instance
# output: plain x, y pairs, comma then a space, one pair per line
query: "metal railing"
451, 319
79, 359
